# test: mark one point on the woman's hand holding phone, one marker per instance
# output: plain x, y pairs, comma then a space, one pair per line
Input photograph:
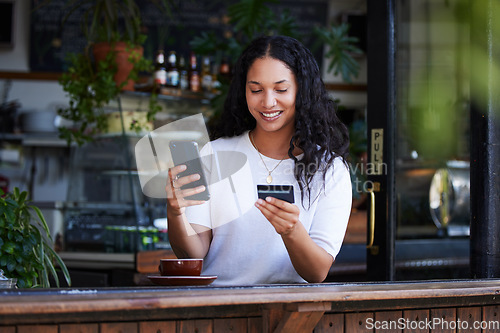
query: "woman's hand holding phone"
176, 197
187, 240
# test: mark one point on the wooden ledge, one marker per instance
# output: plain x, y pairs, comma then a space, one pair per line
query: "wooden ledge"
295, 317
281, 305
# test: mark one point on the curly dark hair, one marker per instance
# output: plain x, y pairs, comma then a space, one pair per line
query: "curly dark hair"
319, 133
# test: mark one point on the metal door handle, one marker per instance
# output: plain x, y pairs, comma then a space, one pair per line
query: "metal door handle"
371, 230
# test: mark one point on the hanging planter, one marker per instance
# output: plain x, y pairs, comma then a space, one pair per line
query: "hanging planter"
124, 57
113, 53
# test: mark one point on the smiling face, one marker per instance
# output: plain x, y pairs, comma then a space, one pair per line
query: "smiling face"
270, 92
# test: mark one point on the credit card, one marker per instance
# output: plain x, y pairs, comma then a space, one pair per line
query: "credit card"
282, 192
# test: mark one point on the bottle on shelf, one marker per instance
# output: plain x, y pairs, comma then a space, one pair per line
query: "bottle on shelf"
225, 69
194, 74
206, 75
183, 74
172, 71
160, 72
215, 88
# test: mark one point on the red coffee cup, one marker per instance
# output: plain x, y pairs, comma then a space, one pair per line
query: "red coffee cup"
180, 267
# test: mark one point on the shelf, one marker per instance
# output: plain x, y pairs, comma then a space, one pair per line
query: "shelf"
11, 137
173, 95
35, 139
50, 76
96, 206
44, 76
101, 260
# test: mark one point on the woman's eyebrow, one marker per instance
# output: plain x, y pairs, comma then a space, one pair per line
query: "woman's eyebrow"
277, 82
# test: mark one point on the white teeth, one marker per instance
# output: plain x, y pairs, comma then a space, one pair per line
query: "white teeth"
270, 115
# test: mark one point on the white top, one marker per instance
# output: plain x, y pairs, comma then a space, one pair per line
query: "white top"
245, 248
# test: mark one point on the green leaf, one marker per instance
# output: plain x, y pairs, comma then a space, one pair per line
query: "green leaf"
19, 237
11, 264
27, 247
21, 269
42, 220
20, 258
21, 198
206, 43
250, 16
341, 50
61, 264
32, 238
9, 213
9, 247
50, 268
24, 283
285, 25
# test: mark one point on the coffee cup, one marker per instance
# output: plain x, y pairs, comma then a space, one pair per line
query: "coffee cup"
180, 267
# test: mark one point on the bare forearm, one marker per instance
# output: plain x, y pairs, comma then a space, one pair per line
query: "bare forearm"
186, 242
310, 260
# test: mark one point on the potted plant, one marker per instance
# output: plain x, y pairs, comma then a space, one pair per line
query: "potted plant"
91, 87
341, 50
26, 247
96, 77
113, 26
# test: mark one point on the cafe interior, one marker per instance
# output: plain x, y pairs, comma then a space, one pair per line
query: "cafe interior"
404, 75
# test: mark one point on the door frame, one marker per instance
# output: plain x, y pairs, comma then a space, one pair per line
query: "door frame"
381, 116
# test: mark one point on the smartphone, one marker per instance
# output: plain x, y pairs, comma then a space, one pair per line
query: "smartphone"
187, 153
282, 192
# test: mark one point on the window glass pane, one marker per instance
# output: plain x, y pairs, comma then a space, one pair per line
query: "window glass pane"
432, 120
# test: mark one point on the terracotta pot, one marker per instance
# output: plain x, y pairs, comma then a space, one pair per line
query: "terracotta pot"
122, 55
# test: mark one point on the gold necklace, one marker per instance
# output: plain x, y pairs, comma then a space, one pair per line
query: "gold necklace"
269, 178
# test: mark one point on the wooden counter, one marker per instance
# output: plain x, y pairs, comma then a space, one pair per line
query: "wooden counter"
277, 308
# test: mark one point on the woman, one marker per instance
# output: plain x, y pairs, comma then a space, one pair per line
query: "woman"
279, 114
